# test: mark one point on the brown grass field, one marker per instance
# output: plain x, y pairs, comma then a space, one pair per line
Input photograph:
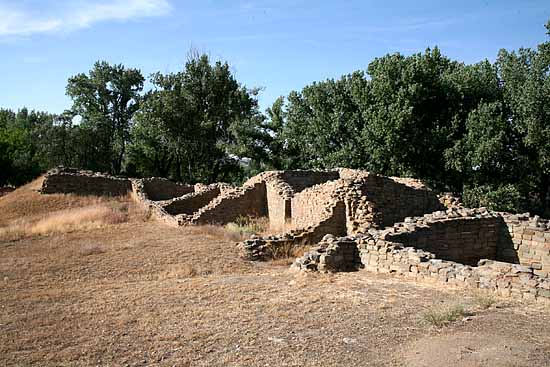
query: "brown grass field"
99, 285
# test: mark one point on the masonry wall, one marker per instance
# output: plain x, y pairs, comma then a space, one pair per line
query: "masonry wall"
300, 180
158, 188
64, 181
511, 280
464, 240
265, 248
247, 201
525, 240
190, 203
393, 201
379, 255
311, 205
278, 208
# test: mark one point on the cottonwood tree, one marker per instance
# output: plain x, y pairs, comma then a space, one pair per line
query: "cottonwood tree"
106, 100
198, 117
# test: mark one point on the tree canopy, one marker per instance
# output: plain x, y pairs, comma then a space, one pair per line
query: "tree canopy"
481, 130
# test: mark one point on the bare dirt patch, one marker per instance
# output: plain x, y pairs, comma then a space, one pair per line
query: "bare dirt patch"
145, 294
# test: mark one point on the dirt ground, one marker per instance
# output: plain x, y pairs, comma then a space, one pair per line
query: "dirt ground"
137, 294
140, 294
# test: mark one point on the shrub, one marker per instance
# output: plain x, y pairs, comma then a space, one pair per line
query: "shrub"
506, 198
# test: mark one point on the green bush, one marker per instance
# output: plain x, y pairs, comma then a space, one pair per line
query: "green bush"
505, 198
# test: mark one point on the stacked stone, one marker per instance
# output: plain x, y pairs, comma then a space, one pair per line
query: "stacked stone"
248, 200
159, 188
526, 239
331, 255
192, 202
63, 180
450, 200
263, 248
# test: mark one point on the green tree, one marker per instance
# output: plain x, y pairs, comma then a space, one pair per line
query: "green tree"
201, 115
106, 100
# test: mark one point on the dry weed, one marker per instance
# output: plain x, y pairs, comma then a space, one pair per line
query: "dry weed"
214, 231
484, 300
69, 220
247, 226
440, 316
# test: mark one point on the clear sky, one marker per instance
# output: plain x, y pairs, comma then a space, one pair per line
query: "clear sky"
277, 45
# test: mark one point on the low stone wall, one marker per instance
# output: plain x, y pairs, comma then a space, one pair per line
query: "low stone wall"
331, 255
526, 240
465, 239
503, 278
190, 203
157, 188
70, 181
257, 248
249, 200
379, 255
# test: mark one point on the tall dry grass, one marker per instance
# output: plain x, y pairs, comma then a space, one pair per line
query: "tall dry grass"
93, 216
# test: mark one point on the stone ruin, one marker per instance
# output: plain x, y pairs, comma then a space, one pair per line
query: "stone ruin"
352, 220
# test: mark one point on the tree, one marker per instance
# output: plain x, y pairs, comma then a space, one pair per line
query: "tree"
525, 79
319, 127
200, 115
106, 100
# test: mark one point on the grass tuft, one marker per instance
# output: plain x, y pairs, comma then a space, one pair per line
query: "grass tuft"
246, 226
484, 300
440, 316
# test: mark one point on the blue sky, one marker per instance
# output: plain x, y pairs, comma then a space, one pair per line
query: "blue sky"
278, 45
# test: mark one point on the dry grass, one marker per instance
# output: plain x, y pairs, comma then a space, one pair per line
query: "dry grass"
79, 214
92, 249
214, 232
285, 251
484, 300
247, 226
440, 316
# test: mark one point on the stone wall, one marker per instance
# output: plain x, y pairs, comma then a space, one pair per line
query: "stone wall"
464, 239
394, 199
503, 278
157, 189
70, 181
192, 202
525, 240
258, 248
377, 254
312, 204
249, 200
281, 186
300, 180
278, 207
331, 255
375, 201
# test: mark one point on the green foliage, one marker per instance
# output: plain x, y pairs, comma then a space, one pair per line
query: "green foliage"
481, 129
20, 137
202, 120
501, 198
106, 99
